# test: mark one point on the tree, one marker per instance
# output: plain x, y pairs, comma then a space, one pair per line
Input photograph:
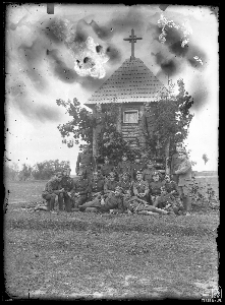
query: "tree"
45, 170
103, 121
11, 171
172, 118
26, 172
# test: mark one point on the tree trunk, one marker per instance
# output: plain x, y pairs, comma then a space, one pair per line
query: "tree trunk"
167, 152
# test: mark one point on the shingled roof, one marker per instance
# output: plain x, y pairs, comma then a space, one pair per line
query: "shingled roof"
131, 82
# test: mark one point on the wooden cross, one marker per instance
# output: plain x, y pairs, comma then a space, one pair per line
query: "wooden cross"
132, 39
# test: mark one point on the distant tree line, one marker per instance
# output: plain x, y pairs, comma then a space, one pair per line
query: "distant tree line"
40, 171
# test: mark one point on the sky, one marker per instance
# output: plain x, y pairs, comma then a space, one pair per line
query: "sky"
54, 56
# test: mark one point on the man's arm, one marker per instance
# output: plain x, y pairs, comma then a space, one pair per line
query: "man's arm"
185, 168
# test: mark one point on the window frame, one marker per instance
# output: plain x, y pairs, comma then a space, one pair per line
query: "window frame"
130, 111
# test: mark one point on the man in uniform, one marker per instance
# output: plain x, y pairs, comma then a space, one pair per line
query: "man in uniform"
106, 167
113, 201
137, 165
124, 166
52, 190
67, 183
110, 183
149, 171
97, 185
139, 202
175, 162
85, 160
125, 184
82, 189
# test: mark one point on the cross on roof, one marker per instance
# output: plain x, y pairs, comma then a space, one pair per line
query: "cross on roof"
132, 39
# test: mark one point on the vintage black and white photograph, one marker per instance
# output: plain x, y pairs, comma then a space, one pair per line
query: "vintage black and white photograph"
111, 152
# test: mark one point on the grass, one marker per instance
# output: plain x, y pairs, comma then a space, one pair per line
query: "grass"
85, 255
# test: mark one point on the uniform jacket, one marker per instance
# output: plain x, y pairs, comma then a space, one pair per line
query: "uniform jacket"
148, 173
184, 173
83, 186
97, 186
125, 167
110, 186
140, 187
85, 161
52, 185
67, 183
113, 202
155, 188
126, 185
106, 169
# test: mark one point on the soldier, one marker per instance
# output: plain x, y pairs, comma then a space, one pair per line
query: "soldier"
52, 190
138, 203
107, 167
185, 181
125, 166
85, 160
125, 184
137, 165
140, 187
97, 185
67, 183
155, 187
175, 161
149, 171
113, 201
82, 189
170, 199
110, 183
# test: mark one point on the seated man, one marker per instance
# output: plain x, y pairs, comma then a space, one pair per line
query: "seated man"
113, 201
140, 188
155, 187
125, 184
52, 190
169, 199
110, 183
97, 185
81, 190
67, 183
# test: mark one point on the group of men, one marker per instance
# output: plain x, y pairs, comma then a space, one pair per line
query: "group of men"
129, 187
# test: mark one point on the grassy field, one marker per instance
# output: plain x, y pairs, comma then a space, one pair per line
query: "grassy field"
78, 255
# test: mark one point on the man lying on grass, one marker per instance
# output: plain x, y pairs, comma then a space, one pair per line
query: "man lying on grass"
114, 200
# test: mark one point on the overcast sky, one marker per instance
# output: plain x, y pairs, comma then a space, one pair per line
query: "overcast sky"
41, 65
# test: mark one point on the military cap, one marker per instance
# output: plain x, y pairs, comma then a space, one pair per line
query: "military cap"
156, 173
138, 172
112, 174
58, 174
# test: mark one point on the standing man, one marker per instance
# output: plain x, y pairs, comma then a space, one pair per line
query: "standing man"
175, 161
52, 190
85, 160
67, 183
124, 166
184, 173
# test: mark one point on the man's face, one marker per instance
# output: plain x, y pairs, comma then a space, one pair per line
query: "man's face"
182, 156
124, 158
64, 173
111, 178
137, 160
117, 193
139, 177
179, 147
150, 165
106, 161
156, 178
59, 178
125, 177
